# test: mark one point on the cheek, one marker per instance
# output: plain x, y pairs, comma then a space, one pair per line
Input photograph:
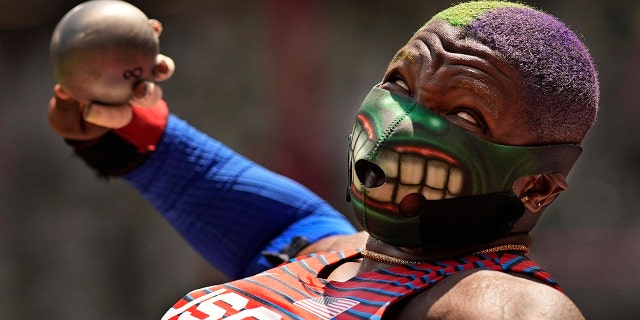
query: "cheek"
514, 129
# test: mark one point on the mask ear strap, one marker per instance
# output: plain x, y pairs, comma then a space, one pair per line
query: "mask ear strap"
557, 158
553, 158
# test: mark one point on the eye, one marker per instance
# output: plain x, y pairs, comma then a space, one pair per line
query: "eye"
401, 83
466, 116
467, 120
397, 84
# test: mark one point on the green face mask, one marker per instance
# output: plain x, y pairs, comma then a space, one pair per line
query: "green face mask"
418, 180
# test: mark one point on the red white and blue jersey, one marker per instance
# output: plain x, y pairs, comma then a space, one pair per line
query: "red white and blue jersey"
295, 291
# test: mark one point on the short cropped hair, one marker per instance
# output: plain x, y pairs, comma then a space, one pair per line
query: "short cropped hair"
560, 78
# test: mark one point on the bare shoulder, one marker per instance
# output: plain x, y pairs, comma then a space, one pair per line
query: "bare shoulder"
485, 294
338, 242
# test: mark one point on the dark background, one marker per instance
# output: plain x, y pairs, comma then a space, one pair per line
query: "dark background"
279, 81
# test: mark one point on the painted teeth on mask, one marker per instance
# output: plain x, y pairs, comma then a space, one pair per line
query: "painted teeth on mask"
407, 173
455, 182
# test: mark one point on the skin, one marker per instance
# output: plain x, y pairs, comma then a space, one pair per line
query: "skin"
470, 85
65, 110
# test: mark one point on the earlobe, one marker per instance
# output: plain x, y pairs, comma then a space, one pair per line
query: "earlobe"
538, 191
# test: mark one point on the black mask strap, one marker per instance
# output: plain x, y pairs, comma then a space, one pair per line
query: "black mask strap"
463, 221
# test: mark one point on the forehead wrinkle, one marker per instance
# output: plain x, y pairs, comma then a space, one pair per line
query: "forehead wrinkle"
415, 49
455, 42
443, 52
483, 58
434, 56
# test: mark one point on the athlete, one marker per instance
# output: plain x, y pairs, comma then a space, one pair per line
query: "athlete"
453, 157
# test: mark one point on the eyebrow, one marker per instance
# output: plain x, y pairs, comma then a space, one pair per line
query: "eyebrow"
481, 90
403, 55
407, 56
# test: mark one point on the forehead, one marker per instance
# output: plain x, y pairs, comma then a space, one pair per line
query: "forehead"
448, 63
446, 41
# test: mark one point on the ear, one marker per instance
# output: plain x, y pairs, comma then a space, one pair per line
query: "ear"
538, 191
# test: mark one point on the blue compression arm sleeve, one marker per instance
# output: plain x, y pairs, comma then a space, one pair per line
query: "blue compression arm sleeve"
227, 207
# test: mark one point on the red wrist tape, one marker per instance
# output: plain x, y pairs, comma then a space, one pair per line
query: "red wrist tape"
146, 127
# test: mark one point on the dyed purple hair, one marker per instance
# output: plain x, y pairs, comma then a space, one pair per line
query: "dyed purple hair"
559, 74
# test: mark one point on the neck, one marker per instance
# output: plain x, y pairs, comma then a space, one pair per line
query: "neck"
381, 255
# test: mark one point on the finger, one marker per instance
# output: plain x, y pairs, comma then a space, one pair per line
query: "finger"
156, 25
146, 94
60, 93
113, 117
164, 68
65, 118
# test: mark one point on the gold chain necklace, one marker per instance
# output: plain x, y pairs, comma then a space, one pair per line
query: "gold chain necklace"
505, 247
383, 258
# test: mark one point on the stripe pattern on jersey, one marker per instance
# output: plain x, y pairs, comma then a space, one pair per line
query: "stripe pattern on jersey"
294, 290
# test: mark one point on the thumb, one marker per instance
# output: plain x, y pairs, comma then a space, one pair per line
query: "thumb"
65, 118
146, 94
113, 117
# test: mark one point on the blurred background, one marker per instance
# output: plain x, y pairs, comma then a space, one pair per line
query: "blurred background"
280, 82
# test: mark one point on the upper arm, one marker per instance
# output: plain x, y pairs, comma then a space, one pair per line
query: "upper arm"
485, 294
